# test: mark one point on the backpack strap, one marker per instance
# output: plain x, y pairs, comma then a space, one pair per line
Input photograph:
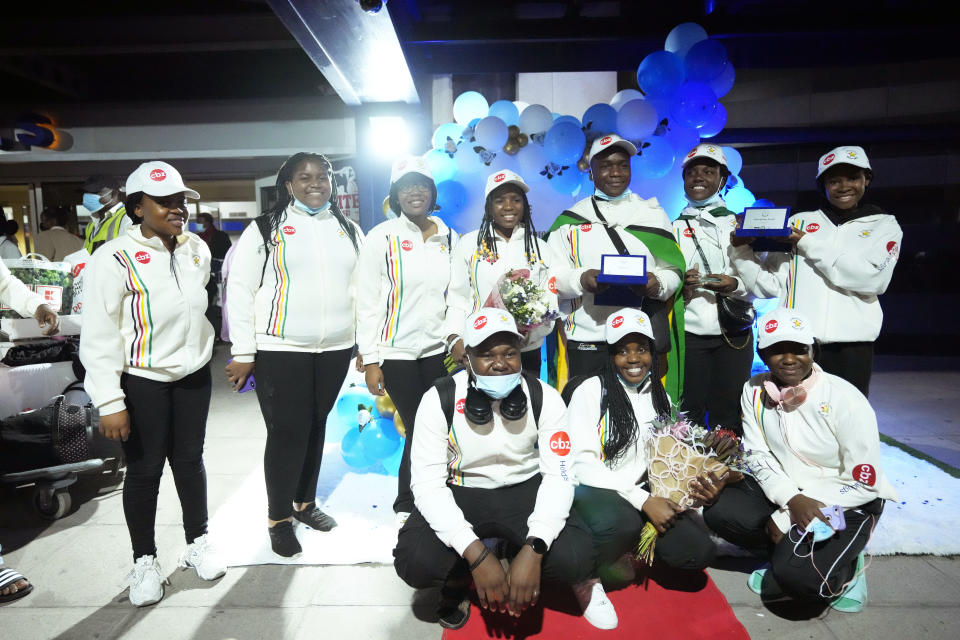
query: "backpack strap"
446, 389
263, 224
536, 395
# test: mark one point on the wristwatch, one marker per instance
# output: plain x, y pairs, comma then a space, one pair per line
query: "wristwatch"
537, 544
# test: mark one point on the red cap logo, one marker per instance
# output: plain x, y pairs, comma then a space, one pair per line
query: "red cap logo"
480, 322
688, 232
461, 403
617, 322
865, 474
288, 230
552, 284
604, 141
77, 269
891, 247
586, 227
771, 326
560, 443
828, 159
692, 152
812, 227
158, 175
142, 257
406, 245
500, 177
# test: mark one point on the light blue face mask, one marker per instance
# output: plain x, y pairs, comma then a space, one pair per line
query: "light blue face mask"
91, 202
634, 385
603, 196
497, 387
310, 210
714, 199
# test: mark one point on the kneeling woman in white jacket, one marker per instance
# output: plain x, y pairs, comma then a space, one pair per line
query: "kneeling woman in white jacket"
609, 416
813, 444
146, 346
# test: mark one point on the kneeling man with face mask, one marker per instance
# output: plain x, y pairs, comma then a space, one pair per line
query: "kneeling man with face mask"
491, 477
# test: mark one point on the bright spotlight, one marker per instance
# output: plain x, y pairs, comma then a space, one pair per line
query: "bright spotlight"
390, 135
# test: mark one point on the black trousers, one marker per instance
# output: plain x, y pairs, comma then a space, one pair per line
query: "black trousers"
168, 421
586, 358
740, 514
296, 392
423, 561
615, 525
406, 381
714, 373
852, 361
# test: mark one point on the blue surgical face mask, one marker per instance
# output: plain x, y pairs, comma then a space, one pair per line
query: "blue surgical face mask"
603, 196
91, 202
634, 385
497, 387
310, 210
202, 226
714, 199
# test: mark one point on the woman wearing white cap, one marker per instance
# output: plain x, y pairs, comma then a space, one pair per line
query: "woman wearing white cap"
402, 279
491, 459
813, 444
290, 304
505, 240
719, 339
842, 258
146, 346
609, 416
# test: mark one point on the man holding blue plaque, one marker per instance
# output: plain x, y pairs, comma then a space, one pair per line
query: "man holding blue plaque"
622, 252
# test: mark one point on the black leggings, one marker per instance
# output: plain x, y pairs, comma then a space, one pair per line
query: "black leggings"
616, 525
296, 392
714, 374
406, 381
740, 515
852, 361
168, 421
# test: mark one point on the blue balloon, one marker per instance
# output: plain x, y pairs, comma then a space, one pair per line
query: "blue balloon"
734, 159
568, 119
696, 103
655, 157
660, 74
715, 124
705, 61
352, 450
506, 111
347, 403
722, 84
392, 462
451, 198
442, 166
683, 36
451, 130
532, 159
600, 119
492, 133
564, 143
738, 198
623, 97
469, 105
763, 202
683, 139
586, 185
468, 161
535, 119
567, 181
637, 119
379, 439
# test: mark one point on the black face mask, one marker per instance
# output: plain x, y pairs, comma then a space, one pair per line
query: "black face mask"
479, 410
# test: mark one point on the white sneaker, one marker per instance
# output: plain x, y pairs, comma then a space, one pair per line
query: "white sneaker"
203, 558
145, 581
599, 610
400, 519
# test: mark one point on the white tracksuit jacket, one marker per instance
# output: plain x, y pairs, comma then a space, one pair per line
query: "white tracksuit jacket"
402, 285
834, 276
498, 454
144, 313
306, 300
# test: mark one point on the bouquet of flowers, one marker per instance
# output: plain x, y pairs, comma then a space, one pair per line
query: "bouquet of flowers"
531, 305
680, 451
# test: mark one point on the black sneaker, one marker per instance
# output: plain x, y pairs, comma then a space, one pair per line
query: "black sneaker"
283, 539
315, 519
453, 611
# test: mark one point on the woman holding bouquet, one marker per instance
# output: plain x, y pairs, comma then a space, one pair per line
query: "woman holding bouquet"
505, 241
813, 442
609, 415
402, 278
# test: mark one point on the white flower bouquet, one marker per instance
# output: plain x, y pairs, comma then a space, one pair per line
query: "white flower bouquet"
532, 305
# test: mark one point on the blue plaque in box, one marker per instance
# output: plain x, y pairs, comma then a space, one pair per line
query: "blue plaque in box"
764, 222
622, 270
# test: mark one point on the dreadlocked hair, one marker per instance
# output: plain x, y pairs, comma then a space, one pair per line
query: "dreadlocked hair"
622, 424
278, 212
487, 236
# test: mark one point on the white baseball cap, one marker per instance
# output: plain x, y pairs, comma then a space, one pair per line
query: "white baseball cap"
609, 141
843, 155
626, 321
158, 179
410, 164
501, 178
706, 150
485, 322
784, 325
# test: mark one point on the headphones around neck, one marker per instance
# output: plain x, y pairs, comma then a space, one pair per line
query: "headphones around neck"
479, 409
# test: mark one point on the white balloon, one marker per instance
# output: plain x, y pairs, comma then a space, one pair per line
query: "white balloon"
623, 97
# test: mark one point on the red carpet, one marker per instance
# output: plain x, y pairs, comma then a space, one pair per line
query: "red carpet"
666, 605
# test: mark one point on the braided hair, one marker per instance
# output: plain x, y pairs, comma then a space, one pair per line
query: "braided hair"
278, 212
487, 237
622, 425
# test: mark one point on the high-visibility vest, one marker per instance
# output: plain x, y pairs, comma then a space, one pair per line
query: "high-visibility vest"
108, 230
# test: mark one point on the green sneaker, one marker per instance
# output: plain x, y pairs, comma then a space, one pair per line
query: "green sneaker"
755, 580
765, 587
854, 597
